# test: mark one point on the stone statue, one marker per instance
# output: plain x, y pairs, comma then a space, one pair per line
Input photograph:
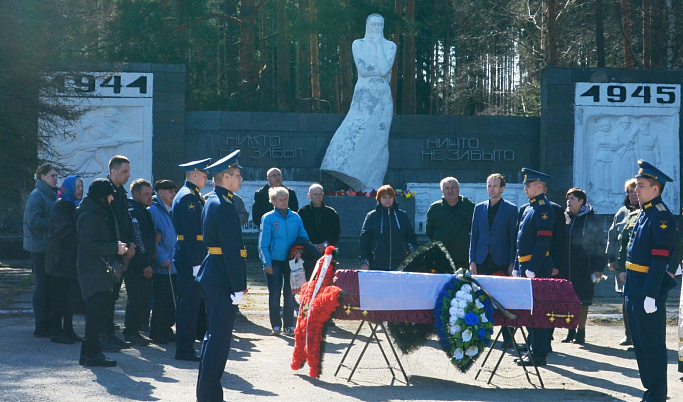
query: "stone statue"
358, 154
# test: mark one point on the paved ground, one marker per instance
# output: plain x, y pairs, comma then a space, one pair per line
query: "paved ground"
33, 369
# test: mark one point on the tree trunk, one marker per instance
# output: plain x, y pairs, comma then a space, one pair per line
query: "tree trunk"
647, 34
398, 9
247, 47
345, 72
302, 61
315, 63
626, 24
283, 55
408, 98
670, 32
552, 32
599, 33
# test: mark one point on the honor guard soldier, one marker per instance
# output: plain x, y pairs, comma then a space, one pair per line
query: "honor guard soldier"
533, 252
647, 282
222, 274
189, 252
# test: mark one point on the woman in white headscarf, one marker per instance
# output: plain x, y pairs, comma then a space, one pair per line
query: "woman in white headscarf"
358, 154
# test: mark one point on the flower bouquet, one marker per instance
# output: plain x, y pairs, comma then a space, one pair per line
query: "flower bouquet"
463, 321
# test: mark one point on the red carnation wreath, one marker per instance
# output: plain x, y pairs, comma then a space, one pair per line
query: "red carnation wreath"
319, 299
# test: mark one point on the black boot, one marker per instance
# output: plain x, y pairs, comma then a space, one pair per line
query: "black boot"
580, 337
99, 360
84, 346
570, 336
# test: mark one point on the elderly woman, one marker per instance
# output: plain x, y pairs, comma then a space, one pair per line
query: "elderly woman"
280, 228
99, 250
584, 255
60, 260
387, 236
36, 225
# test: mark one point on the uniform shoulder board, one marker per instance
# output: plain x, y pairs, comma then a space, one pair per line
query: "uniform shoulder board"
541, 202
660, 207
227, 199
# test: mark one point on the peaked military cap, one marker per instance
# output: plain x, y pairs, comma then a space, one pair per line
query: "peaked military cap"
196, 165
647, 170
534, 175
225, 163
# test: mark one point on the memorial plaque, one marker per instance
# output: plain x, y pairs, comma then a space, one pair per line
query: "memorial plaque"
617, 124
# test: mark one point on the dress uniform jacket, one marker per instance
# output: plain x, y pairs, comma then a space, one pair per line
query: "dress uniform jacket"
187, 220
225, 264
533, 238
652, 240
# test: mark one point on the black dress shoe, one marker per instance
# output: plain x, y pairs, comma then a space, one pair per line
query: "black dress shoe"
580, 337
160, 340
72, 335
99, 360
62, 338
107, 346
190, 357
526, 360
522, 347
626, 341
117, 341
570, 336
42, 333
137, 339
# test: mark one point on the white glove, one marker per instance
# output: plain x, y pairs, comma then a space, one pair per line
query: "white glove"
195, 270
237, 298
515, 273
649, 305
530, 274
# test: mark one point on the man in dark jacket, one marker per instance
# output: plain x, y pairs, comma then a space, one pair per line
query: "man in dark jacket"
450, 222
119, 173
262, 203
139, 274
321, 223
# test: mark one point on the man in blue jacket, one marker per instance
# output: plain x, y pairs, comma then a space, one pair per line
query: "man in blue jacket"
494, 230
189, 253
223, 275
164, 279
533, 252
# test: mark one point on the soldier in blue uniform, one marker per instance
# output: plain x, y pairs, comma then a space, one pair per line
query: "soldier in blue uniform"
533, 252
222, 275
647, 281
189, 252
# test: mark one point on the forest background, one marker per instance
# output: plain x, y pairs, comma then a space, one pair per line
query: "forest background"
455, 57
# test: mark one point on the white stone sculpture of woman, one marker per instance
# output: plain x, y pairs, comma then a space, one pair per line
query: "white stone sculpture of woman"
358, 154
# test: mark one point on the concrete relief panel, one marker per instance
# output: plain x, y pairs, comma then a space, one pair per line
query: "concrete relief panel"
117, 121
617, 124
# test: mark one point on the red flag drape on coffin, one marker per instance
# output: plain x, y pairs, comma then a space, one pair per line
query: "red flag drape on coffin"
556, 305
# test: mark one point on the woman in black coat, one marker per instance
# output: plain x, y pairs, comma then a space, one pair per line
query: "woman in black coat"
584, 255
98, 250
387, 236
60, 260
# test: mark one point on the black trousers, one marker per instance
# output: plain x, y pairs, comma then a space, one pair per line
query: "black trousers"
99, 316
163, 308
189, 302
63, 294
139, 291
